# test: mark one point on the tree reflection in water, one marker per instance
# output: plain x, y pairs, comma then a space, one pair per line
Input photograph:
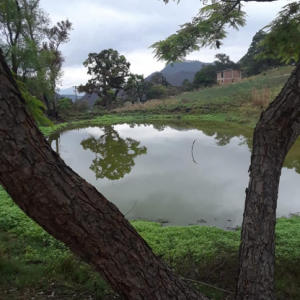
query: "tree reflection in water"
114, 156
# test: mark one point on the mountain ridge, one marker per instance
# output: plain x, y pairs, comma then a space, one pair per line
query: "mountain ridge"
177, 72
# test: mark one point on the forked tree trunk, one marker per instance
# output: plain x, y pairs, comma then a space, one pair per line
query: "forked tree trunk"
275, 133
72, 210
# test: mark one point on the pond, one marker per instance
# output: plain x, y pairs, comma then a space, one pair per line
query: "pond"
180, 173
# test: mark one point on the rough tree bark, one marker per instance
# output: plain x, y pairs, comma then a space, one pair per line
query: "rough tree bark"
275, 133
72, 210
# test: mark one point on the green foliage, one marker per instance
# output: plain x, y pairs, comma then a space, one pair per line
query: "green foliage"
137, 88
109, 71
206, 29
223, 62
207, 76
31, 259
282, 40
99, 103
80, 106
64, 105
186, 85
232, 103
250, 63
35, 106
158, 92
32, 47
159, 78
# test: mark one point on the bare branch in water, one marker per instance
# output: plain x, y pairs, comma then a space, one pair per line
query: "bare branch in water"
131, 208
193, 152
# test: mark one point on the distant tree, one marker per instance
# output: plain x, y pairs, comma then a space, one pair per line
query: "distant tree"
187, 85
159, 78
207, 76
137, 88
64, 105
223, 62
158, 91
109, 72
57, 35
173, 90
253, 62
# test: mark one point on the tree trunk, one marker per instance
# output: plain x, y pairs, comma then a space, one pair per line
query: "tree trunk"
72, 210
275, 133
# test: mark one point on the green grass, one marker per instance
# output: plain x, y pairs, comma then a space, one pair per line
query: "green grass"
31, 259
232, 102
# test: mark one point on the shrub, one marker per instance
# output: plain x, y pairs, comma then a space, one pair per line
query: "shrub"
158, 92
64, 105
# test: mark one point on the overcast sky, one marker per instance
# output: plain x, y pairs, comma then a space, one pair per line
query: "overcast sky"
131, 26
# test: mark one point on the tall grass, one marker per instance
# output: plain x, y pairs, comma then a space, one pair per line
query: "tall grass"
261, 97
151, 104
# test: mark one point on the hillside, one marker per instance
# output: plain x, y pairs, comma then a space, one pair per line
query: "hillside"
177, 72
69, 91
90, 99
240, 102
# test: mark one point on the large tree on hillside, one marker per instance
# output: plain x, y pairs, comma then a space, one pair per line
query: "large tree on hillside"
109, 71
73, 211
275, 133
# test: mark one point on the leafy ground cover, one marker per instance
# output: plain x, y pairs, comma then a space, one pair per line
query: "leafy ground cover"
34, 263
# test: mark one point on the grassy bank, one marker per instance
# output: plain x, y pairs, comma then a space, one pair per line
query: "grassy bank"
240, 102
33, 262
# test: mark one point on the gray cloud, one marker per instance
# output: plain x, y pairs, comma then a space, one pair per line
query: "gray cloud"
131, 26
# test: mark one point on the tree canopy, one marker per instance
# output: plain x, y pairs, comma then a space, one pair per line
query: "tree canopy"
109, 71
31, 47
159, 78
137, 88
208, 28
207, 76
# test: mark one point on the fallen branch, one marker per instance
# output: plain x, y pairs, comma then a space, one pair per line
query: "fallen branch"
203, 283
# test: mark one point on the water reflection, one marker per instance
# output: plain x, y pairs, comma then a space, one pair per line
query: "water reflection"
114, 156
161, 175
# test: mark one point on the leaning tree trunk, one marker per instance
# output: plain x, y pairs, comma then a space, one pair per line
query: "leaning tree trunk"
72, 210
275, 133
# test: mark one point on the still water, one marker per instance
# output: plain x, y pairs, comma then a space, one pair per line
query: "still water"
178, 173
